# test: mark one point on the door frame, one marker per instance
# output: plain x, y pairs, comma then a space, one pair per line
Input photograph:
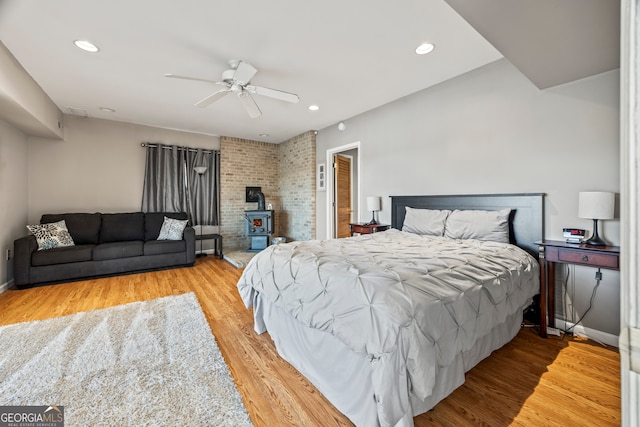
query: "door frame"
629, 212
351, 192
331, 185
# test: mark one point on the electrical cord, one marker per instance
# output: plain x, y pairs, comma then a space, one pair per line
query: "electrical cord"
593, 296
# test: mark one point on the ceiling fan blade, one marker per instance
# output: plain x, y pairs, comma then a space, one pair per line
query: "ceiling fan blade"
177, 76
249, 105
205, 102
273, 93
244, 73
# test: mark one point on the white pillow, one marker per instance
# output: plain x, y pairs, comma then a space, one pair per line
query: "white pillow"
425, 221
51, 235
478, 224
172, 229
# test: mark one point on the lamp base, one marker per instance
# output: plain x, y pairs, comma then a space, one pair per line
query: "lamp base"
373, 219
595, 240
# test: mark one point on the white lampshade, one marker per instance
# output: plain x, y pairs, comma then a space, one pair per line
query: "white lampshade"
596, 204
374, 203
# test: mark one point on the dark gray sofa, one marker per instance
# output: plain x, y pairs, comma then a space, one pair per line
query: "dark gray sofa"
105, 245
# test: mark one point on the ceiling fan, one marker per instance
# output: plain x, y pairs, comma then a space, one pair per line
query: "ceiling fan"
236, 80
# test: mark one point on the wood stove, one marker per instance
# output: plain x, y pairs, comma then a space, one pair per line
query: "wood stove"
259, 228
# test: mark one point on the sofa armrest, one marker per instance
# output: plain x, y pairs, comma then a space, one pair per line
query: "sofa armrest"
22, 250
189, 235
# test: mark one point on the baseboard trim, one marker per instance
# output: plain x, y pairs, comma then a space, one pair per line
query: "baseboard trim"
592, 334
6, 286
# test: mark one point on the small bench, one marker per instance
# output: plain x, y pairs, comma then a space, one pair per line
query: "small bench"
217, 244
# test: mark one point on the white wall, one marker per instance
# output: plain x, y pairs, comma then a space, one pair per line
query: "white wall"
13, 193
492, 131
98, 167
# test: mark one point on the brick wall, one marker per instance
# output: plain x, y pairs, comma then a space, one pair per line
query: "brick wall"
286, 173
244, 163
297, 216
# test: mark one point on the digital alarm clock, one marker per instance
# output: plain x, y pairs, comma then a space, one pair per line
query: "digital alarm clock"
573, 232
573, 235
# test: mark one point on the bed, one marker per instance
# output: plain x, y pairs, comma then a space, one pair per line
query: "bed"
385, 325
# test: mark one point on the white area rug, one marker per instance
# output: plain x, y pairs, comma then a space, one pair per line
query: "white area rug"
145, 363
239, 259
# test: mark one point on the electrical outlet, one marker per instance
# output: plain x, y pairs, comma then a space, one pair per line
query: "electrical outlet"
8, 254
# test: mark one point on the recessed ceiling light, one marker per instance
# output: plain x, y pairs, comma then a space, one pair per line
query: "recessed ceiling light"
314, 107
86, 45
424, 48
108, 110
264, 135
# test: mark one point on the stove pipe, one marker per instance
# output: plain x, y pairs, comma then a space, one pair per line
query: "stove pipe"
260, 200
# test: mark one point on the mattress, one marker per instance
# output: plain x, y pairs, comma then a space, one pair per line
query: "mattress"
406, 307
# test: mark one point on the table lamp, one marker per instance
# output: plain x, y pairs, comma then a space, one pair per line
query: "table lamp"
374, 203
596, 205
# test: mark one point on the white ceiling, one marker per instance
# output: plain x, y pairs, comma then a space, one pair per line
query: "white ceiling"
551, 42
348, 57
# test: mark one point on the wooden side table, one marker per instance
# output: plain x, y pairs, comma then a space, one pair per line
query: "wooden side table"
554, 251
363, 228
217, 243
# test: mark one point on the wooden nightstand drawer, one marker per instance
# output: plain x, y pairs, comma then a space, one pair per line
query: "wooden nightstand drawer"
359, 228
593, 259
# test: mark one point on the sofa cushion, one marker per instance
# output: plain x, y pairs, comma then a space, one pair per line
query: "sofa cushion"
83, 227
121, 227
159, 247
117, 250
153, 222
62, 255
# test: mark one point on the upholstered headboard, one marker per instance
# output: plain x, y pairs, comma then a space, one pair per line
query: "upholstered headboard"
526, 222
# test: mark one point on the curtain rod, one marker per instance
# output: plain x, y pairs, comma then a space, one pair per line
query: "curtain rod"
148, 144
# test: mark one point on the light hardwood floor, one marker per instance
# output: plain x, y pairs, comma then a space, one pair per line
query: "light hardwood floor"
529, 382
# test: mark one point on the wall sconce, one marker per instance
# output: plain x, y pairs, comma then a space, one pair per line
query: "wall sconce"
200, 169
595, 205
374, 203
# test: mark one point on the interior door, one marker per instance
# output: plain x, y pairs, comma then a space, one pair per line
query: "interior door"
343, 210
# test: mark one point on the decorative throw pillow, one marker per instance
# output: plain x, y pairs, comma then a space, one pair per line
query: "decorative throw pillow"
172, 229
51, 235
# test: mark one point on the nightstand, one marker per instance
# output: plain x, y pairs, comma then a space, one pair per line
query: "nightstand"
362, 228
554, 251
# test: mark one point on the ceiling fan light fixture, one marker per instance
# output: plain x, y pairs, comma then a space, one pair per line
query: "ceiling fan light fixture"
237, 80
314, 107
86, 45
425, 48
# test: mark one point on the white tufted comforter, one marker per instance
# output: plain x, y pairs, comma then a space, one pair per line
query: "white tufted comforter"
407, 303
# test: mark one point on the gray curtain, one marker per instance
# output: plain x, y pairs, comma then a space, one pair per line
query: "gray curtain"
203, 189
172, 185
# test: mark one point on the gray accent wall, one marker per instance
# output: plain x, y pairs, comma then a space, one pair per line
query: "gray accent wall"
13, 193
98, 167
492, 131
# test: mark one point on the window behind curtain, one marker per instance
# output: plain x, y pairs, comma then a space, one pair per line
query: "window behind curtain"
172, 185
